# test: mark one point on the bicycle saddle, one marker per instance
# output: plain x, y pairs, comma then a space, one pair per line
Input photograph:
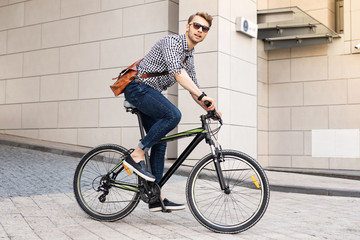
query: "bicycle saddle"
128, 105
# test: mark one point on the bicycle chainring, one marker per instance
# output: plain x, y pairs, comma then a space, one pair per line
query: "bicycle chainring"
153, 193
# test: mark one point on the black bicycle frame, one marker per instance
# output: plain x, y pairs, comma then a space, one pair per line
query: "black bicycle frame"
199, 133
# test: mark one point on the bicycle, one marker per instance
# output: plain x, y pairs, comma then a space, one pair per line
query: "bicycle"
227, 191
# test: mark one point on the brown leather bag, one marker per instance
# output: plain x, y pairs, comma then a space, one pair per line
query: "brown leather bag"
125, 77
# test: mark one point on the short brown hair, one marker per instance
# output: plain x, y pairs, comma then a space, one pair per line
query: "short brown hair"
204, 15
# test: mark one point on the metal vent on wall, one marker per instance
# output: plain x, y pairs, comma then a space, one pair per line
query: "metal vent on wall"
291, 27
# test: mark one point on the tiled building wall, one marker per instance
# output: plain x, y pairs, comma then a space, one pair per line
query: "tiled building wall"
309, 88
57, 58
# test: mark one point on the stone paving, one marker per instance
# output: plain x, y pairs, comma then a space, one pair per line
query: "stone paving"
36, 202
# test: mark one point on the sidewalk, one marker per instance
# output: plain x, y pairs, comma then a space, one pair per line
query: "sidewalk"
46, 208
320, 182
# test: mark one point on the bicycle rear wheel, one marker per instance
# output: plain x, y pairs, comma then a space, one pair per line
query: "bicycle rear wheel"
96, 190
236, 208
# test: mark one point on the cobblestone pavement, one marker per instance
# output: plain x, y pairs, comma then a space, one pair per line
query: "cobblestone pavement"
36, 202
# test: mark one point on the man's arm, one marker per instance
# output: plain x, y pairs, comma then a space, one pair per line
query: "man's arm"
186, 82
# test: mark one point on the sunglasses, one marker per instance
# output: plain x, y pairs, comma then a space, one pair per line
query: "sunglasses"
197, 26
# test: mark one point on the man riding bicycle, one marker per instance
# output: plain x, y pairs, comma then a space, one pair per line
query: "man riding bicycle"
172, 55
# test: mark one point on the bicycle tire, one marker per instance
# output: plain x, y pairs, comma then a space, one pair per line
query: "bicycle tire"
234, 211
93, 166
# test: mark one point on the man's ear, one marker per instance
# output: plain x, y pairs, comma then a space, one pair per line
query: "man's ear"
187, 27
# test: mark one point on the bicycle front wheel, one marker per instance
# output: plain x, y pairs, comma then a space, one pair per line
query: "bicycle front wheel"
237, 207
102, 186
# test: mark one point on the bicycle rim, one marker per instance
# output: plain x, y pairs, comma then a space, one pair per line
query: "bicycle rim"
234, 210
90, 189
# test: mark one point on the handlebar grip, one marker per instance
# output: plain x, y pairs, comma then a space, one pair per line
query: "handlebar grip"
207, 103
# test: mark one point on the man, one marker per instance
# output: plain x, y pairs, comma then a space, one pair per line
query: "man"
172, 56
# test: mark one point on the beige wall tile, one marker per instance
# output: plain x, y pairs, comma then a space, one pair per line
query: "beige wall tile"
130, 137
122, 52
243, 76
96, 136
4, 2
60, 33
354, 90
224, 70
308, 4
344, 116
39, 115
280, 54
280, 161
263, 94
80, 57
307, 118
341, 163
238, 41
355, 5
206, 65
224, 9
59, 87
189, 7
112, 4
99, 80
156, 19
23, 90
325, 92
84, 113
246, 144
113, 114
344, 66
38, 11
263, 143
3, 42
245, 8
307, 143
286, 143
243, 110
310, 51
262, 70
325, 16
313, 68
71, 8
69, 136
263, 118
355, 18
152, 38
11, 66
263, 160
41, 62
279, 118
93, 27
2, 91
12, 16
10, 116
28, 133
288, 94
279, 71
310, 162
24, 39
224, 35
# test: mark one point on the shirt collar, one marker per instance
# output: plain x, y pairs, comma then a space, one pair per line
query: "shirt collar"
185, 45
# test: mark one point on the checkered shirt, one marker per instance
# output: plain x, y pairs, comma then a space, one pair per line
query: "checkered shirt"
168, 54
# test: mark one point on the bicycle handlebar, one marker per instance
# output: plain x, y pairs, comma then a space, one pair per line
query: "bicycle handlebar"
212, 114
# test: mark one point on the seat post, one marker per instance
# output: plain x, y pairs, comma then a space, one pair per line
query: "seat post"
142, 134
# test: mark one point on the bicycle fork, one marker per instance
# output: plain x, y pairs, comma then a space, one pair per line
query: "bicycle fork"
218, 158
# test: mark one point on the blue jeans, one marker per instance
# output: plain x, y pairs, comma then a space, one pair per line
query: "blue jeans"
159, 117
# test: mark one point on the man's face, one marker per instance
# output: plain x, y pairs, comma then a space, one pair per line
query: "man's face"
197, 35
